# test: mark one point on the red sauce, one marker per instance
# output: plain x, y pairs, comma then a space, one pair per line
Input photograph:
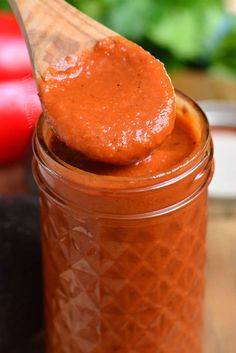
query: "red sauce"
116, 278
119, 276
114, 103
172, 151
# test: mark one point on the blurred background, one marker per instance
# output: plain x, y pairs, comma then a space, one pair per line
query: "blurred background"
196, 40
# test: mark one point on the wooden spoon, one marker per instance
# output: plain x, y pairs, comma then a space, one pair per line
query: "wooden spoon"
53, 29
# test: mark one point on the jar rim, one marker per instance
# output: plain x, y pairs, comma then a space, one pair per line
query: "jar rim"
157, 179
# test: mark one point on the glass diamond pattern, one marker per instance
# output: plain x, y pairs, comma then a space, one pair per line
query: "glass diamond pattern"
112, 288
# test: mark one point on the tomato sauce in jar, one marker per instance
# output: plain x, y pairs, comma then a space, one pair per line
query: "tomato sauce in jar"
124, 246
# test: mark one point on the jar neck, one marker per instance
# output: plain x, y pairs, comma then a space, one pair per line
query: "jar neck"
122, 197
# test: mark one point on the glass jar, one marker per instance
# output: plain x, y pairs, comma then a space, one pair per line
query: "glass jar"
124, 258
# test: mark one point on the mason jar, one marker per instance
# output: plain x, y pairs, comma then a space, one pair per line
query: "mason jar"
124, 257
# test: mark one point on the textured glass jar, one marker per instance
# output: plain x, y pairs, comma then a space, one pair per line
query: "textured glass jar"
124, 257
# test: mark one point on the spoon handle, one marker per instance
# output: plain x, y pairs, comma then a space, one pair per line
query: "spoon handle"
54, 29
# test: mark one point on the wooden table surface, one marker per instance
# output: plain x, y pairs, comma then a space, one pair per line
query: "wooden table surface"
220, 308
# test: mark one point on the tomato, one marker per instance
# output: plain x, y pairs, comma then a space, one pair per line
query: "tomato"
19, 110
14, 58
19, 102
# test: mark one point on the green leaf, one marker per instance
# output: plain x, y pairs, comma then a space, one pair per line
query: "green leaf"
93, 8
185, 31
4, 5
127, 17
224, 57
131, 17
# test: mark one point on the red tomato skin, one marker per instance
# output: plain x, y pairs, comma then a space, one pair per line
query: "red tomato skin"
14, 57
19, 110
